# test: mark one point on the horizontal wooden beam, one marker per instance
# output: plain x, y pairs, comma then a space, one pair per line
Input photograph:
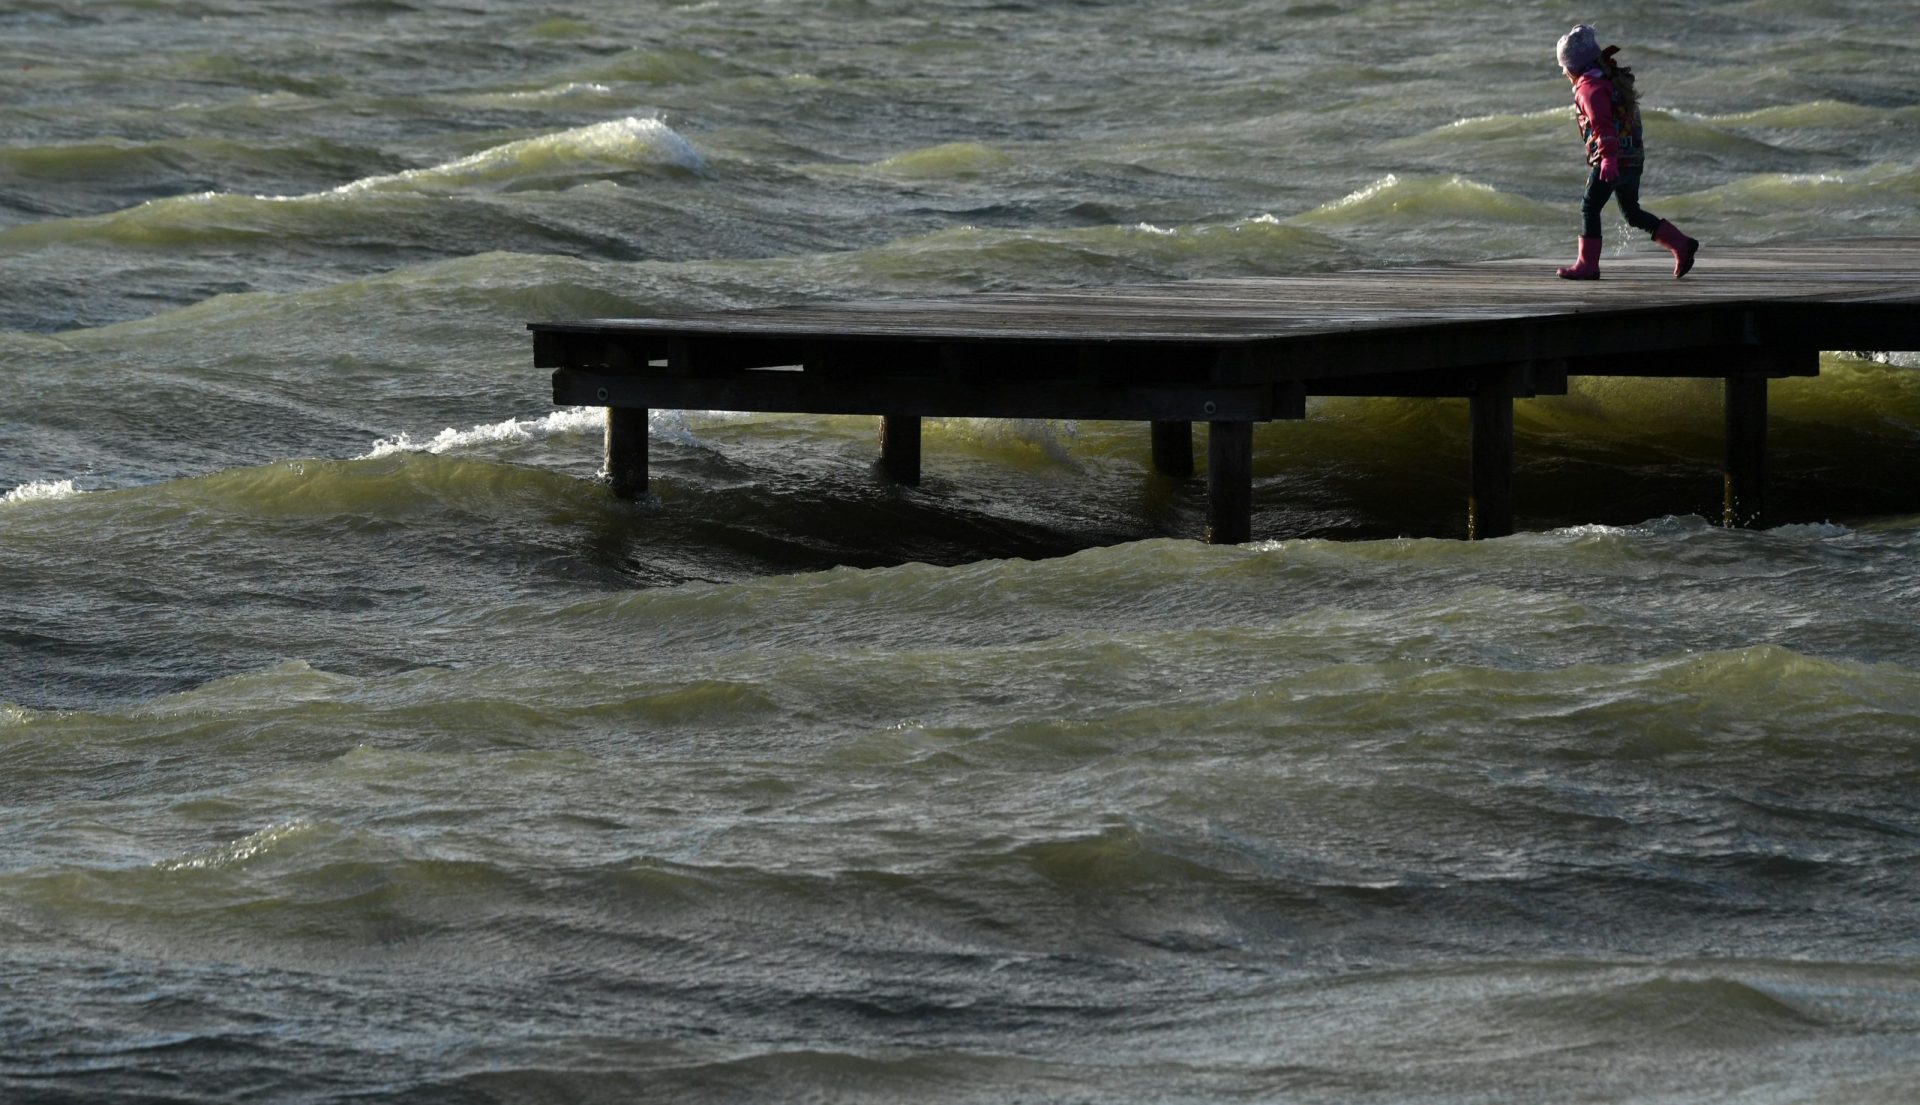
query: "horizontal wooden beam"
803, 392
1521, 381
1882, 326
1473, 342
1681, 341
1712, 362
600, 349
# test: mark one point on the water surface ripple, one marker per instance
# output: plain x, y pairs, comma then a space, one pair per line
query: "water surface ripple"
357, 745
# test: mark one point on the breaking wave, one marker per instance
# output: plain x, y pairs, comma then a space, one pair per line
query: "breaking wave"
573, 420
40, 491
549, 161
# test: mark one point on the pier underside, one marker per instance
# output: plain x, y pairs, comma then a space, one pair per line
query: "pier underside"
1231, 353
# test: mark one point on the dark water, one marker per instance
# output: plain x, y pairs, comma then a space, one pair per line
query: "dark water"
356, 745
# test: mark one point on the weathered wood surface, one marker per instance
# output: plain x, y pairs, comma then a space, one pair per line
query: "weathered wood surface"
1358, 323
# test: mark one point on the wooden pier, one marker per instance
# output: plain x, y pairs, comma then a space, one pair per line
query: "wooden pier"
1231, 353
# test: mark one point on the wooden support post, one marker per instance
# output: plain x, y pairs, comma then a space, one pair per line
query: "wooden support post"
1743, 503
900, 448
626, 457
1229, 482
1173, 449
1490, 473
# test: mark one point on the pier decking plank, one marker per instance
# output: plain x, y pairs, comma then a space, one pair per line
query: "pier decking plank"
1252, 349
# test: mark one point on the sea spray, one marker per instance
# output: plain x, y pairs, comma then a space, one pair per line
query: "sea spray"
575, 420
40, 491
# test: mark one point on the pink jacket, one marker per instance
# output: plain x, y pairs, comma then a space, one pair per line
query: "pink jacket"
1609, 129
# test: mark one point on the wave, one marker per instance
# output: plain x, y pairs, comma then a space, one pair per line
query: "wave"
573, 420
397, 485
1825, 115
620, 143
1502, 123
22, 343
250, 847
561, 27
549, 161
1761, 134
675, 427
311, 883
1864, 195
97, 159
568, 92
655, 66
1427, 200
433, 306
980, 258
405, 303
955, 160
696, 1073
1683, 1007
40, 491
90, 163
1519, 130
1424, 214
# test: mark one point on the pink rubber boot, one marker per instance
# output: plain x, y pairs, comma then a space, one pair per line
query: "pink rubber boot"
1588, 266
1682, 247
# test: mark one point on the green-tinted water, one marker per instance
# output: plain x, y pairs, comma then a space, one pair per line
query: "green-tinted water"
356, 744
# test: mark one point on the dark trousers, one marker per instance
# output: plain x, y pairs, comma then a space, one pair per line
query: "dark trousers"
1627, 189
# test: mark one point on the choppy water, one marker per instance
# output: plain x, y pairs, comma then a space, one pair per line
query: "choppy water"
356, 745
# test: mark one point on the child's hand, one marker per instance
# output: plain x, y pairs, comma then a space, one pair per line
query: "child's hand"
1610, 169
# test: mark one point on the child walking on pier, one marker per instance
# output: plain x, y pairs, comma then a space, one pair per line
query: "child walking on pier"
1608, 112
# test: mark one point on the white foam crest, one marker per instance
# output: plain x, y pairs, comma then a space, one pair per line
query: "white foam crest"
41, 491
1895, 359
631, 141
1817, 531
572, 420
1391, 180
669, 426
1394, 193
1149, 228
1664, 526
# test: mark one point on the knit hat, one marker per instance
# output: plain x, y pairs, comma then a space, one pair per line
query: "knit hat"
1578, 49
